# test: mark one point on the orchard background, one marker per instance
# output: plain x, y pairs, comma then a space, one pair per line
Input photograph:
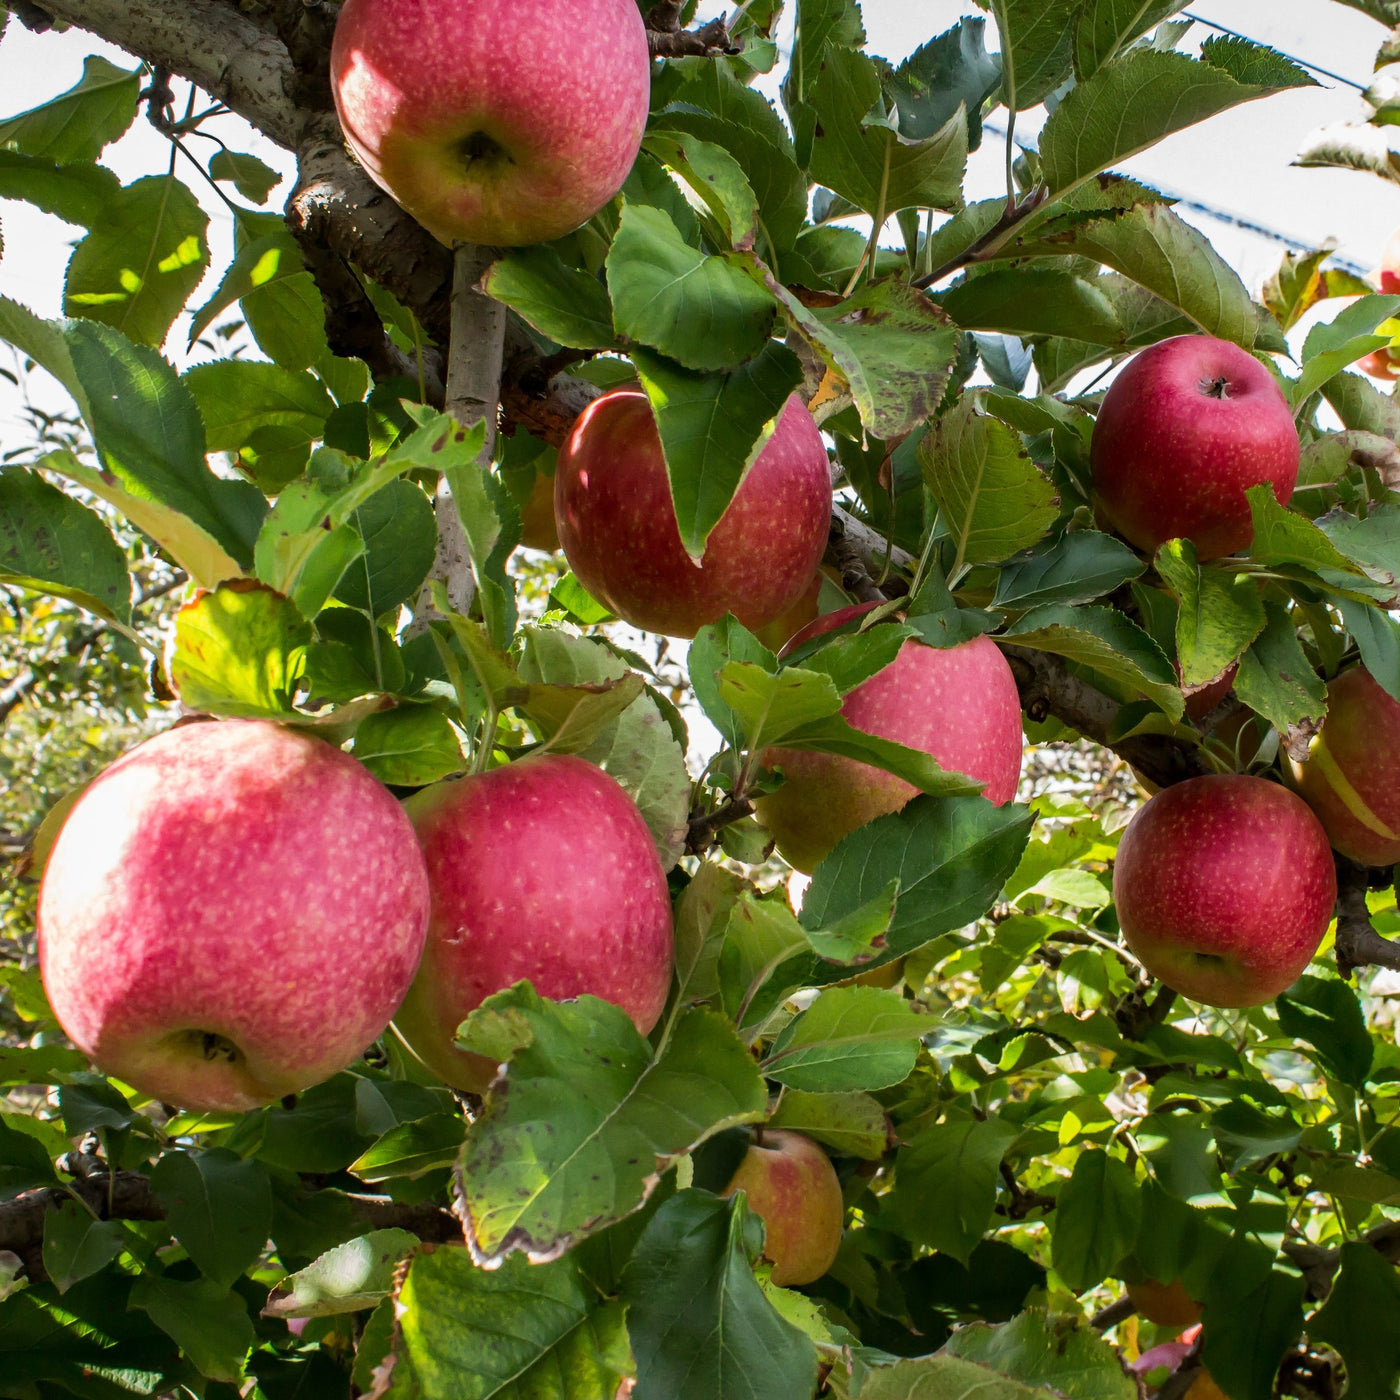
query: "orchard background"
1022, 1121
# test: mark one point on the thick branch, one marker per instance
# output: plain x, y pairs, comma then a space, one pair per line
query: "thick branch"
1358, 943
226, 53
853, 546
128, 1196
1319, 1265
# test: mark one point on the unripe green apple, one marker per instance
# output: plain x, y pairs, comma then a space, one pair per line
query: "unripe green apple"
959, 704
1187, 427
543, 869
792, 1185
493, 121
1224, 887
1352, 777
232, 912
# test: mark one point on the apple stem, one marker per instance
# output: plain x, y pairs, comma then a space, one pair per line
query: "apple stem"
1217, 388
473, 396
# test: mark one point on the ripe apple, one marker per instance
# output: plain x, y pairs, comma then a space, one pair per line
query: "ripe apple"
1225, 886
1390, 264
492, 121
541, 869
959, 704
1352, 778
1185, 429
792, 1185
1379, 364
1167, 1304
537, 528
232, 912
805, 610
617, 523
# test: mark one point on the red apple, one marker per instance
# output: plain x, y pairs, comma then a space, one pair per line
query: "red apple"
1352, 777
617, 523
792, 1185
541, 869
959, 704
1167, 1304
493, 121
231, 912
1390, 264
1185, 429
1379, 364
1225, 886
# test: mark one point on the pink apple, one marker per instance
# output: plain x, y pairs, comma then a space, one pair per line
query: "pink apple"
231, 912
1224, 887
792, 1185
543, 869
493, 121
959, 704
612, 501
1185, 429
1352, 777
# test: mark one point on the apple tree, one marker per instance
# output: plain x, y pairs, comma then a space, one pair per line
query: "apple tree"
979, 1107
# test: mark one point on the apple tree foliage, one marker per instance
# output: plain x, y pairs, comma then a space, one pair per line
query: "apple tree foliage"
1021, 1120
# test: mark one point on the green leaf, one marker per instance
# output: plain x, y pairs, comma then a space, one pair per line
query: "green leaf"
1245, 1339
1282, 536
568, 305
1061, 1352
399, 531
771, 706
349, 1278
240, 398
218, 1206
1096, 1219
867, 161
1107, 27
714, 176
950, 855
953, 68
53, 544
851, 1124
1377, 638
1331, 347
513, 1333
76, 1246
1027, 301
1221, 613
1035, 48
278, 298
1080, 566
957, 1165
702, 311
889, 342
24, 1164
586, 1119
137, 267
1326, 1015
850, 1038
1372, 543
410, 746
714, 647
713, 426
700, 1326
207, 1322
151, 445
410, 1149
702, 916
1275, 678
1176, 262
993, 498
936, 1377
78, 124
77, 194
252, 178
1106, 640
765, 955
239, 650
1365, 1288
1147, 94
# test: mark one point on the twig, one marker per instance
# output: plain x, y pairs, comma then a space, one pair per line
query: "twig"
1023, 1202
1137, 1014
1117, 1311
1358, 943
666, 38
1318, 1264
704, 829
848, 555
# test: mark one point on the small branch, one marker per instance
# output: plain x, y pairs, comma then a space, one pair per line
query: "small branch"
666, 38
1137, 1014
1318, 1264
849, 546
704, 829
1012, 215
1023, 1202
1118, 1311
1358, 943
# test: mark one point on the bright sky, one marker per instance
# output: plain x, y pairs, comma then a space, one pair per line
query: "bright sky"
1238, 162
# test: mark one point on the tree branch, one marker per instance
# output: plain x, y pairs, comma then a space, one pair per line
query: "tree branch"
1358, 943
666, 38
128, 1196
1319, 1264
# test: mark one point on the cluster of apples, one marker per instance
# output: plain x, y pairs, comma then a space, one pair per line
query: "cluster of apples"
1225, 885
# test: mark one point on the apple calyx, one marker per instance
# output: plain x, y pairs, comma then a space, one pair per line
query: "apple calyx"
1217, 388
